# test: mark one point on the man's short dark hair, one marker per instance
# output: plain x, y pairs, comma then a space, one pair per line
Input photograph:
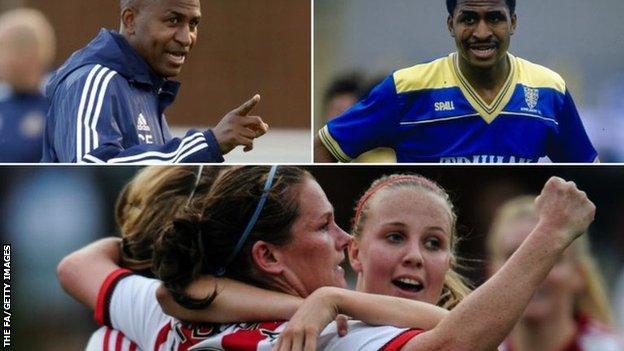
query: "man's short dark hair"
451, 4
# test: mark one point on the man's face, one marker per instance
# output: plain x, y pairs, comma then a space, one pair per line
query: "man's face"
164, 32
482, 31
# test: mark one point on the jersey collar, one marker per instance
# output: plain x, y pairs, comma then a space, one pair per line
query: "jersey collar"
487, 111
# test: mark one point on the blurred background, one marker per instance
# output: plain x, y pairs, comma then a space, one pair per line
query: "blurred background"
244, 47
581, 40
48, 212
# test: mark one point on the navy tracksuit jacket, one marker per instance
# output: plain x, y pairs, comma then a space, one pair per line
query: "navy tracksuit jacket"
107, 106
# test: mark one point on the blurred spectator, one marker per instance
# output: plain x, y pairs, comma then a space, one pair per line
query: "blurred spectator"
569, 311
343, 92
28, 48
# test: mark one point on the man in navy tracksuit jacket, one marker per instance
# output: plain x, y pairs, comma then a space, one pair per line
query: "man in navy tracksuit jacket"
108, 99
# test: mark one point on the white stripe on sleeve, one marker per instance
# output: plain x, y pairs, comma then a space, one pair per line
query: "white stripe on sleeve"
190, 142
90, 107
83, 98
98, 109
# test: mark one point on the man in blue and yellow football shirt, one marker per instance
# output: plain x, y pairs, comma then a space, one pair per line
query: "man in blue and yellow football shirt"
478, 105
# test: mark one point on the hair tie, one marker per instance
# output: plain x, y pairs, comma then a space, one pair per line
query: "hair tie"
252, 221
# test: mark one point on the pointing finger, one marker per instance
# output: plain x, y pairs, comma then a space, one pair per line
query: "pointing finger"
244, 109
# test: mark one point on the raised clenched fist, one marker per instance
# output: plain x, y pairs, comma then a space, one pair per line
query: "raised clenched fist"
564, 209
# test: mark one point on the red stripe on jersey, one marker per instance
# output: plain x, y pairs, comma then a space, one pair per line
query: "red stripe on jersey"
106, 338
102, 316
248, 339
119, 341
133, 346
400, 340
162, 336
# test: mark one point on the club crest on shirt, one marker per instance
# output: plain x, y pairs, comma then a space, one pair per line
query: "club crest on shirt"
531, 95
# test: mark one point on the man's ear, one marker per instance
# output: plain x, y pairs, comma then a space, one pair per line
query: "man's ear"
128, 18
354, 256
514, 23
449, 25
266, 257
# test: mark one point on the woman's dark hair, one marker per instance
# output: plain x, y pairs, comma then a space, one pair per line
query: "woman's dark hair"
451, 4
201, 240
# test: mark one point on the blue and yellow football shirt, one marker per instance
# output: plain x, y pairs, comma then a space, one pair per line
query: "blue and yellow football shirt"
430, 113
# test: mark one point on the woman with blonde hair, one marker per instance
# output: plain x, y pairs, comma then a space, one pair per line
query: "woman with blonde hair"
569, 310
153, 197
404, 245
401, 196
145, 204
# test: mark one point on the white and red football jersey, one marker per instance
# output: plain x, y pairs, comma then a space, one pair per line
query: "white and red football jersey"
128, 303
